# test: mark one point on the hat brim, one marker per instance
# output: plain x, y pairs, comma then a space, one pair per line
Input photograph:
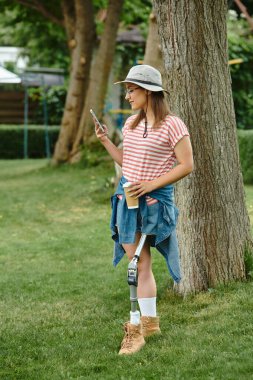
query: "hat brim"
149, 87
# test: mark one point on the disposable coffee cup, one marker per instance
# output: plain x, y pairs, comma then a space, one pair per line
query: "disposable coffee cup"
131, 201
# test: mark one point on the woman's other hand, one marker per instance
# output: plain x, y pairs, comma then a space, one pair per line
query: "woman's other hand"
137, 189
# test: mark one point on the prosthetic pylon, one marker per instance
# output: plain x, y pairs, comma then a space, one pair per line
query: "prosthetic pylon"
132, 273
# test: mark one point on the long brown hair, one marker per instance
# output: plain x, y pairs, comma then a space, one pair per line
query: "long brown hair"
159, 107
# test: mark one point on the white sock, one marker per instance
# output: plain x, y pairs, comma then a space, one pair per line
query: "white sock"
135, 317
148, 306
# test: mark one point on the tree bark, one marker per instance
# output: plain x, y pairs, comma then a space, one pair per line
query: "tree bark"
69, 18
214, 227
81, 47
153, 51
99, 77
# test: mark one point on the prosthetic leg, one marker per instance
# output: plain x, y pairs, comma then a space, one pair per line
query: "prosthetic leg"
132, 273
134, 340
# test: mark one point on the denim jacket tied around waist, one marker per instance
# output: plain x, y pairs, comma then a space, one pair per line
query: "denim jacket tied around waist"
165, 239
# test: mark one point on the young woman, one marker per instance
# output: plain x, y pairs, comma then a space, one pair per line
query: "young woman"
153, 142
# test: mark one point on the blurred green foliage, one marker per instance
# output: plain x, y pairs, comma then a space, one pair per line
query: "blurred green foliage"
45, 42
42, 41
12, 141
240, 43
136, 12
245, 141
55, 100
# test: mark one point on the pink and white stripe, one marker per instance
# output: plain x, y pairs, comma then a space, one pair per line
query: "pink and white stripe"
145, 159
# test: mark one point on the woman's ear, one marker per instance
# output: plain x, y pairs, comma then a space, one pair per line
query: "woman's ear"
148, 92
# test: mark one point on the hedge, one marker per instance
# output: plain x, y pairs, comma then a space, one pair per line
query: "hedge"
12, 141
12, 145
245, 141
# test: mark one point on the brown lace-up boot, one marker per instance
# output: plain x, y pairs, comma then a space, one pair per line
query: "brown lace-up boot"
133, 340
150, 326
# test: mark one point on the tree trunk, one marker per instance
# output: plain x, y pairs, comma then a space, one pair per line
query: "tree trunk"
69, 18
214, 227
153, 52
99, 76
81, 46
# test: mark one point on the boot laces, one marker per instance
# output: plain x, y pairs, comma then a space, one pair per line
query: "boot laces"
144, 324
128, 339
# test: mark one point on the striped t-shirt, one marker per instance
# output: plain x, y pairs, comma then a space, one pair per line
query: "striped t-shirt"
145, 159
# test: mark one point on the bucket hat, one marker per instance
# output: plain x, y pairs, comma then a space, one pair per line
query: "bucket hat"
146, 77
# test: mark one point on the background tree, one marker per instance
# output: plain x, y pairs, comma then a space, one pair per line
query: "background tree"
99, 77
153, 52
103, 63
80, 28
245, 12
232, 4
240, 44
77, 19
214, 228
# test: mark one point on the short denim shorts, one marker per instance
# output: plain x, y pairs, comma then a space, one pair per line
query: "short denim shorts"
151, 228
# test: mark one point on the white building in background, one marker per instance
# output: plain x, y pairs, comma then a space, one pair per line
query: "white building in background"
8, 77
13, 55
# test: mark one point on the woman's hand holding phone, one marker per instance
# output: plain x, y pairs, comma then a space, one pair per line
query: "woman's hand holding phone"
101, 130
101, 135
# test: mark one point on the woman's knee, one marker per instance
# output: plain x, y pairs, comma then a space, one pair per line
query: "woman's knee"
129, 250
145, 267
144, 263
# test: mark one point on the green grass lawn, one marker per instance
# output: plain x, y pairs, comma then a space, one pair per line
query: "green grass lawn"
62, 304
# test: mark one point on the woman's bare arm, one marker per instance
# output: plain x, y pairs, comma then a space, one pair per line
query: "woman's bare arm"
114, 152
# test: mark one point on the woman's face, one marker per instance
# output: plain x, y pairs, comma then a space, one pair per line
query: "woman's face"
136, 96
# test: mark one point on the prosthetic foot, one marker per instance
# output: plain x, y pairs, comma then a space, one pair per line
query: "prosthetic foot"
133, 340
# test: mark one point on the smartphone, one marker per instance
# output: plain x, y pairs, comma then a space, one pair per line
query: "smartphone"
97, 121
